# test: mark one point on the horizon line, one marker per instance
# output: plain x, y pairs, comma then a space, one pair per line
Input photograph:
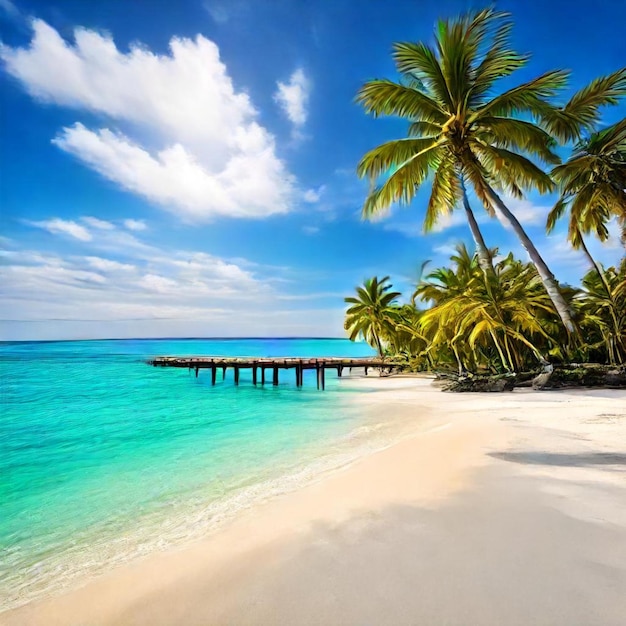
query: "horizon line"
5, 341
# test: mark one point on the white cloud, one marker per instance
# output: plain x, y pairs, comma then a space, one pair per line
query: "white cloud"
66, 227
311, 230
126, 287
313, 195
447, 249
456, 218
94, 222
293, 97
135, 224
205, 155
175, 179
107, 265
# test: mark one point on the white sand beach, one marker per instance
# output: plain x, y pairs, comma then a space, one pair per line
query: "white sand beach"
505, 508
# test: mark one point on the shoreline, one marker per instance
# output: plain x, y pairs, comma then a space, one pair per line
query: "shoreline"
160, 536
440, 459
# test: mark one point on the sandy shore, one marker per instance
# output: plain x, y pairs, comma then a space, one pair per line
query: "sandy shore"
497, 509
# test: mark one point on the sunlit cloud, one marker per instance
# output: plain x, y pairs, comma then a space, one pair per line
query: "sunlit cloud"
293, 98
213, 158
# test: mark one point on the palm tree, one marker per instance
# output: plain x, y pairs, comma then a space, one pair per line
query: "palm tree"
593, 188
475, 313
603, 308
460, 132
372, 314
444, 285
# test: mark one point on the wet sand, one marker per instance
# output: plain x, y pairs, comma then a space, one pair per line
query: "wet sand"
496, 509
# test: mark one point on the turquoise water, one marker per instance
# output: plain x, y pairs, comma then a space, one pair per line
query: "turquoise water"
103, 457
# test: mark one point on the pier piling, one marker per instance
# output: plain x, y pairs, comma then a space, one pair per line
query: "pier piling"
320, 365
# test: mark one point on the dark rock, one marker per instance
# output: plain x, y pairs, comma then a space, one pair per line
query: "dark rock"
502, 382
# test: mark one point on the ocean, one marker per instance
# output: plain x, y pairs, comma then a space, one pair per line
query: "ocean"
104, 458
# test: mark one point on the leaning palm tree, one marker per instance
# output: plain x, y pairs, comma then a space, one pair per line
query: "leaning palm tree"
593, 187
372, 314
460, 133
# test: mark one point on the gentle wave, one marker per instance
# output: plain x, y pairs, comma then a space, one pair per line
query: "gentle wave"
87, 560
103, 459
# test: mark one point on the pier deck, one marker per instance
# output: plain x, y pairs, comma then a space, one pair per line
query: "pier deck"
256, 364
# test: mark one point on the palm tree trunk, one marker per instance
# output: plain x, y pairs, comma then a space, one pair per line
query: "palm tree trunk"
379, 345
547, 277
595, 265
506, 365
484, 258
614, 337
458, 360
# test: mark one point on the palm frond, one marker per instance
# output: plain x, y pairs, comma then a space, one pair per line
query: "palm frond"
555, 214
385, 97
582, 111
419, 60
394, 154
511, 133
499, 61
512, 170
529, 97
444, 194
402, 185
424, 129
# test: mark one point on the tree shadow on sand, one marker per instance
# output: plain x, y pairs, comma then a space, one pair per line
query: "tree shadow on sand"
586, 459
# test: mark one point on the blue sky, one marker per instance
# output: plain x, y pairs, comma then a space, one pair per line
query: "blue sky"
188, 168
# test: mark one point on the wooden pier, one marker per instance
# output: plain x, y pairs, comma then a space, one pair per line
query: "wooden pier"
274, 364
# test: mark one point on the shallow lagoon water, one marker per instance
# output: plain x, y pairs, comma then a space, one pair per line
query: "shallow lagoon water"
103, 458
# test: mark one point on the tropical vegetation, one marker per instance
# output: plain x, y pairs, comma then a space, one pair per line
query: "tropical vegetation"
460, 318
462, 131
469, 140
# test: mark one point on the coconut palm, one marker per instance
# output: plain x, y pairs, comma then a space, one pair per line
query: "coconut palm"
373, 311
593, 187
603, 308
442, 285
460, 133
476, 314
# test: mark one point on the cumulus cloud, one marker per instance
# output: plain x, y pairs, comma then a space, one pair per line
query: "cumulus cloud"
206, 154
135, 224
66, 227
176, 179
293, 97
